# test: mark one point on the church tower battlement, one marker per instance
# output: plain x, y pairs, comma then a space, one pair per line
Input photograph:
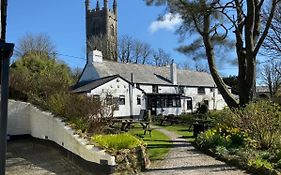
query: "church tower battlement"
101, 29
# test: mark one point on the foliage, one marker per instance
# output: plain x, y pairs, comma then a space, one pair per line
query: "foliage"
187, 118
233, 82
259, 163
221, 136
116, 141
203, 109
260, 120
39, 77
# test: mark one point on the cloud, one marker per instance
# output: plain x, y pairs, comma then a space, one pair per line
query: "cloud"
168, 22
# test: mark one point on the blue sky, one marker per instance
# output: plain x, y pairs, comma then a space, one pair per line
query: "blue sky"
64, 22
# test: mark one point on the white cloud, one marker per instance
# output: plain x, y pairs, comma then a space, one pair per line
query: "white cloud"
168, 22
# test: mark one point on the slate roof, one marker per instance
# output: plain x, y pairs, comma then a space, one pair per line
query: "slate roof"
147, 74
88, 86
262, 89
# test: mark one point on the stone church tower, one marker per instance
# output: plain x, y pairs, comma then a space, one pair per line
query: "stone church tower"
101, 29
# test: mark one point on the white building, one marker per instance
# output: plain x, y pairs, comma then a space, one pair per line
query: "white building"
163, 90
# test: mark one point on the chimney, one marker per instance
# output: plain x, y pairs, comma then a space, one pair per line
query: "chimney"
173, 73
95, 56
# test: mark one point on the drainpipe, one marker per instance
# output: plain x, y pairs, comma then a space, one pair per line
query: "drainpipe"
131, 95
214, 97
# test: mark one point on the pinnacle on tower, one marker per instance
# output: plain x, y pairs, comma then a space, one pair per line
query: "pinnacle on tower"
105, 4
98, 5
115, 6
87, 4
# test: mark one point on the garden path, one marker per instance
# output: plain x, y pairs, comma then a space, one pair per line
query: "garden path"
183, 158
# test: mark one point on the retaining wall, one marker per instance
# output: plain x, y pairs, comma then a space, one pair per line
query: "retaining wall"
25, 119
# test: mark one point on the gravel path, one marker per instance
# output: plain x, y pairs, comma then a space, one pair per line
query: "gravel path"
185, 159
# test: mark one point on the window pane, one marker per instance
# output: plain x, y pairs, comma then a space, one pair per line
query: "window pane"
122, 100
109, 100
201, 90
138, 100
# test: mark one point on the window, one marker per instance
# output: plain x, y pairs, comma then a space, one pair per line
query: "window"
138, 100
155, 88
189, 104
116, 103
96, 98
181, 90
168, 102
122, 100
211, 89
201, 90
109, 100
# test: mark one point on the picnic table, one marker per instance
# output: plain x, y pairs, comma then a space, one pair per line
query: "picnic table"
172, 119
126, 124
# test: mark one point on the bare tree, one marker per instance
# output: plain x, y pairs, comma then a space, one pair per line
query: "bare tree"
40, 44
161, 58
272, 44
125, 47
133, 51
271, 76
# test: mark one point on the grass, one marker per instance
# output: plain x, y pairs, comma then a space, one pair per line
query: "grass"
181, 130
158, 145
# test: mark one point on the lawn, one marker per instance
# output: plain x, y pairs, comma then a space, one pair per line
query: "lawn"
182, 130
158, 145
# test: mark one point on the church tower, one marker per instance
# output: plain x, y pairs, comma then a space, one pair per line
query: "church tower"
101, 29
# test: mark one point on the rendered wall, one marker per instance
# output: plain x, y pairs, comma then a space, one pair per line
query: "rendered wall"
117, 87
23, 118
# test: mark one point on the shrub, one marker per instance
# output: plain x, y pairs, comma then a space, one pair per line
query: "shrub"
221, 136
211, 139
187, 118
221, 151
260, 163
117, 141
261, 120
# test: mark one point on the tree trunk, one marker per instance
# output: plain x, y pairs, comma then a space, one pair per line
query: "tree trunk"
231, 102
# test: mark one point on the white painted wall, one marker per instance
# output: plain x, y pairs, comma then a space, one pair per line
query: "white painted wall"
167, 89
23, 118
212, 97
146, 88
117, 87
167, 111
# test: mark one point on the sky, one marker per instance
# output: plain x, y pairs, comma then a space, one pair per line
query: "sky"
64, 22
